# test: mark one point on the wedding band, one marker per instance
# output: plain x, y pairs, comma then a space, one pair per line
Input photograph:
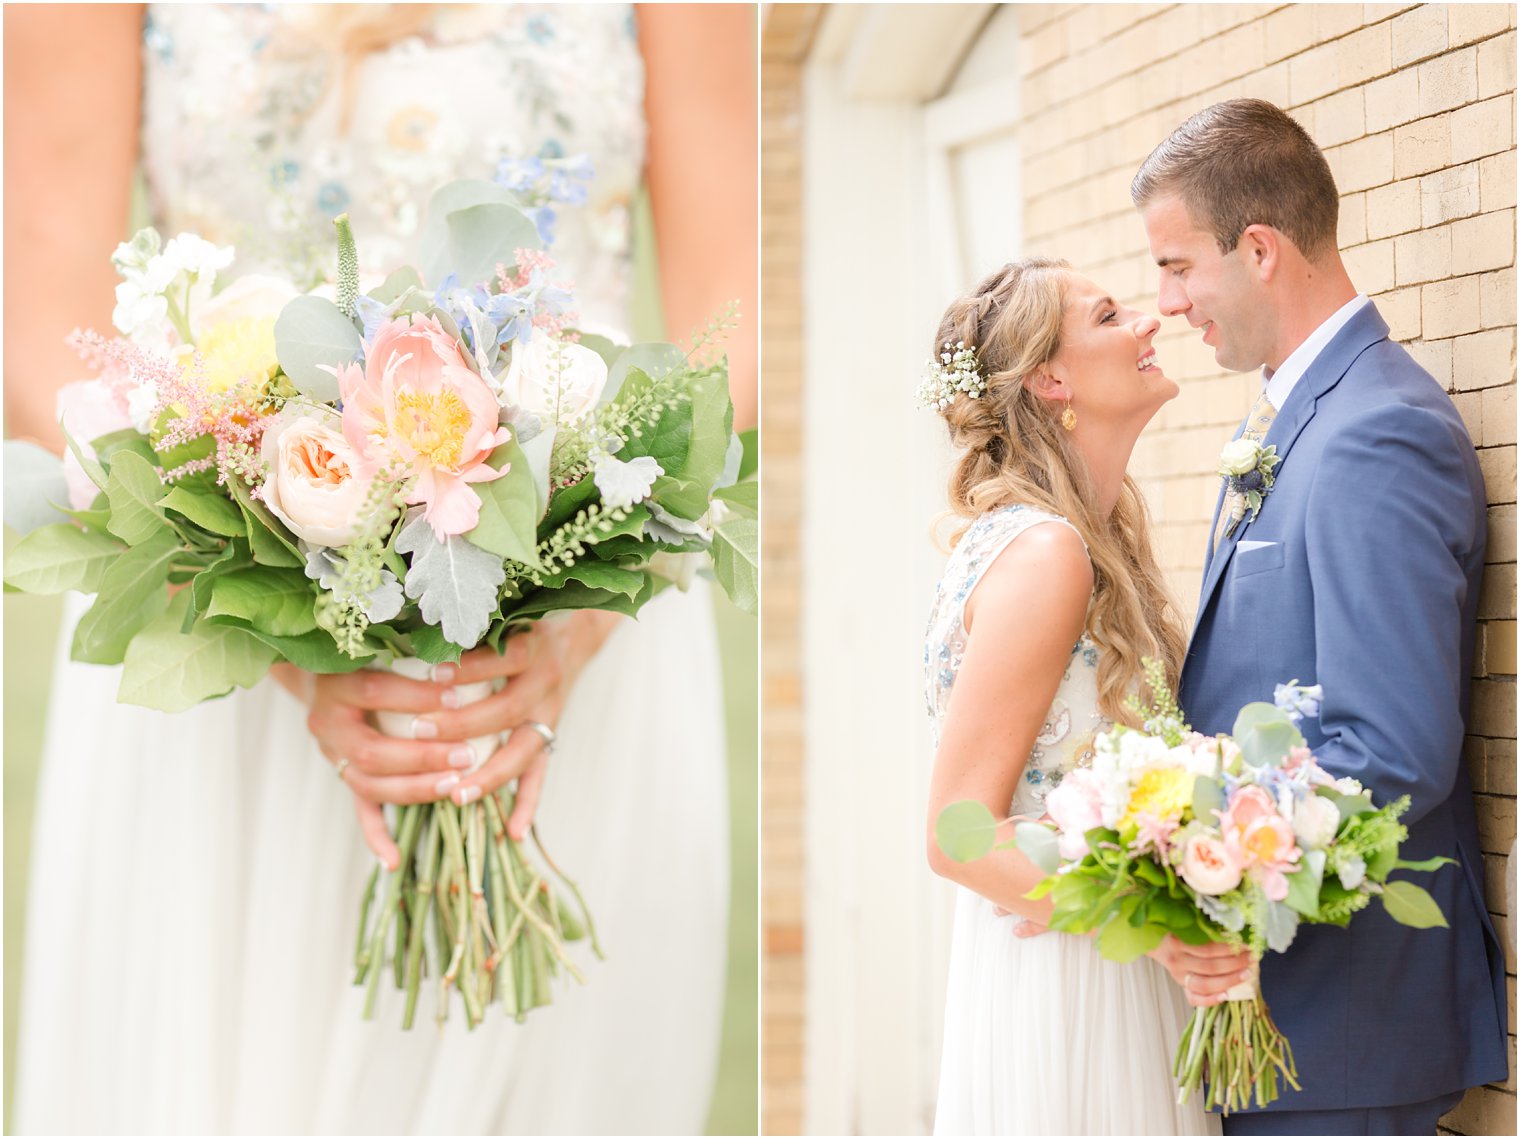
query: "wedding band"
342, 766
544, 730
1187, 982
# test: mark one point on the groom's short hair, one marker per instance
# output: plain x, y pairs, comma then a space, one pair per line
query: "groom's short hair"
1246, 162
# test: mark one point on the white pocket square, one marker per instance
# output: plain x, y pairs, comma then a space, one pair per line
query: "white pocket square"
1248, 544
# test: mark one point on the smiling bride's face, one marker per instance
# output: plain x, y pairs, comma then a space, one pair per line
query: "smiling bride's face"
1106, 363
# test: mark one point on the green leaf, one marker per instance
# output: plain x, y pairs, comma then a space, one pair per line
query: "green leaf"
210, 512
61, 557
608, 350
95, 472
750, 463
965, 830
1208, 797
429, 644
741, 496
452, 198
509, 509
171, 671
481, 237
1120, 941
600, 575
315, 651
272, 601
684, 488
1409, 905
648, 361
35, 489
573, 595
127, 440
1425, 864
132, 593
1304, 884
134, 490
396, 284
1265, 735
1038, 843
736, 559
311, 333
1380, 861
266, 534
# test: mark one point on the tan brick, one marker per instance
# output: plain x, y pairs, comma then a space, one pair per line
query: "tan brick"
1289, 31
1482, 1111
1469, 406
1420, 147
1496, 815
1332, 21
1498, 466
1364, 55
1389, 101
1448, 194
1499, 768
1448, 81
1394, 208
1483, 359
1401, 309
1419, 34
1372, 266
1499, 649
1498, 416
1496, 66
1313, 74
1339, 118
1496, 600
1494, 715
1450, 308
1496, 182
1496, 300
1501, 533
1432, 355
1483, 128
1470, 22
1483, 242
1351, 225
1424, 255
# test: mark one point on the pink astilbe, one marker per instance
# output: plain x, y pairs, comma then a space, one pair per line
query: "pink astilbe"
532, 265
231, 417
111, 360
1153, 834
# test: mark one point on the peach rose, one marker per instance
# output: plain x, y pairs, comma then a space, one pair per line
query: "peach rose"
416, 404
314, 484
1209, 866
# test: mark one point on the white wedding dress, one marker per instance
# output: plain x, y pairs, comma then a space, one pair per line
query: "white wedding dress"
1042, 1035
196, 878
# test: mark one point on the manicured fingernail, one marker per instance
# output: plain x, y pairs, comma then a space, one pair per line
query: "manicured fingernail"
450, 698
446, 784
462, 756
443, 673
1246, 976
423, 729
467, 795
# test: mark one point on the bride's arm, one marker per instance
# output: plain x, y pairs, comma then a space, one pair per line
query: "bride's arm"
72, 105
1021, 620
699, 100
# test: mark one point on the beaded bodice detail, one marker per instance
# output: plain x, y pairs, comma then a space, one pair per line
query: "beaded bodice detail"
1065, 739
258, 129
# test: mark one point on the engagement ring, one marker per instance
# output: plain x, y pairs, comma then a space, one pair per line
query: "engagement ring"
544, 730
342, 766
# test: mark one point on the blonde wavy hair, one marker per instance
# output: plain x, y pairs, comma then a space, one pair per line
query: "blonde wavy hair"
1016, 451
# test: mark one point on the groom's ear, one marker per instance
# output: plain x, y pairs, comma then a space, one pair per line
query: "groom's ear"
1261, 247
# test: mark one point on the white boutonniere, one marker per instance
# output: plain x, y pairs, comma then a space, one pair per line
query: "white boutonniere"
1247, 468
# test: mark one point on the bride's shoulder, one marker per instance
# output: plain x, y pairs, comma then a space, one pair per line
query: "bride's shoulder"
1038, 530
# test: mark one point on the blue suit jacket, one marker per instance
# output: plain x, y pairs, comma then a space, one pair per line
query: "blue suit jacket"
1361, 574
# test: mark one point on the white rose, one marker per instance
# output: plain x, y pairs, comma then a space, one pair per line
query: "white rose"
255, 296
1239, 457
556, 381
1315, 821
679, 569
314, 485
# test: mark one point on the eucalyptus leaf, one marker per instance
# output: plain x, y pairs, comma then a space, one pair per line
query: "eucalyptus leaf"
1410, 905
53, 559
35, 487
1039, 844
397, 284
447, 199
1208, 797
134, 490
311, 333
608, 350
454, 582
965, 830
171, 670
1304, 884
480, 238
651, 361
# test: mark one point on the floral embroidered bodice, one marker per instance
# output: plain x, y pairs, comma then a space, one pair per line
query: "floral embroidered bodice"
258, 129
1065, 739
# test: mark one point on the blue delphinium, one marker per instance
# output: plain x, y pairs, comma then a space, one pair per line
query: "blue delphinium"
1297, 700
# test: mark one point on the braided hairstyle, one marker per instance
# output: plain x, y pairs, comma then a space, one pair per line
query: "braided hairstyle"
1016, 451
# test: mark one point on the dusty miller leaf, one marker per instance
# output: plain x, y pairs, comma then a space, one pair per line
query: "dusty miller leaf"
453, 582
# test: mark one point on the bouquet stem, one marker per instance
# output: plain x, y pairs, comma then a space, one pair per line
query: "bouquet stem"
1236, 1049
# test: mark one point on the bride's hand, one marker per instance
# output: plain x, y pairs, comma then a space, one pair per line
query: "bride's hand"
1205, 972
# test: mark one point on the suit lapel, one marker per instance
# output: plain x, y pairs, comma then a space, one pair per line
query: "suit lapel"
1361, 332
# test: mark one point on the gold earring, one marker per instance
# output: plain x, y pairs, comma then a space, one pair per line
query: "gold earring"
1068, 417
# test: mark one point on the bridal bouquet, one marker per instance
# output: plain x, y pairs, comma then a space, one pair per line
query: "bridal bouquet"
385, 479
1234, 839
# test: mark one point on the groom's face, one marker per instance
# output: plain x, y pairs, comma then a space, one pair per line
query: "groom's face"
1216, 291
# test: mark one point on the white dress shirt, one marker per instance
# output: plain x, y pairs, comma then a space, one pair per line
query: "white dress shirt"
1280, 382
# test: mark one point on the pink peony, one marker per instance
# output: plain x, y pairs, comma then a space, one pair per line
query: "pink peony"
1210, 866
416, 404
1075, 806
1246, 805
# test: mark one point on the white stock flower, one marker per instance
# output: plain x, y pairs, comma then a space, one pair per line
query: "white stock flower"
1348, 786
1239, 456
623, 484
195, 256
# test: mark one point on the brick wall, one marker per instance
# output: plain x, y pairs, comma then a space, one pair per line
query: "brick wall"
785, 38
1415, 109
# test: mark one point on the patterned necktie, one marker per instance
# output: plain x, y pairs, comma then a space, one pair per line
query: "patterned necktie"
1258, 423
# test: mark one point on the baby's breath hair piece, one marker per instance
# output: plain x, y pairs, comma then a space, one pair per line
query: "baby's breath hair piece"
954, 373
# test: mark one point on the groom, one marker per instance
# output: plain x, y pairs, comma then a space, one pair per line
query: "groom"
1360, 573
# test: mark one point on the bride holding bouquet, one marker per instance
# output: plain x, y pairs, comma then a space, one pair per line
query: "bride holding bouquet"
191, 907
